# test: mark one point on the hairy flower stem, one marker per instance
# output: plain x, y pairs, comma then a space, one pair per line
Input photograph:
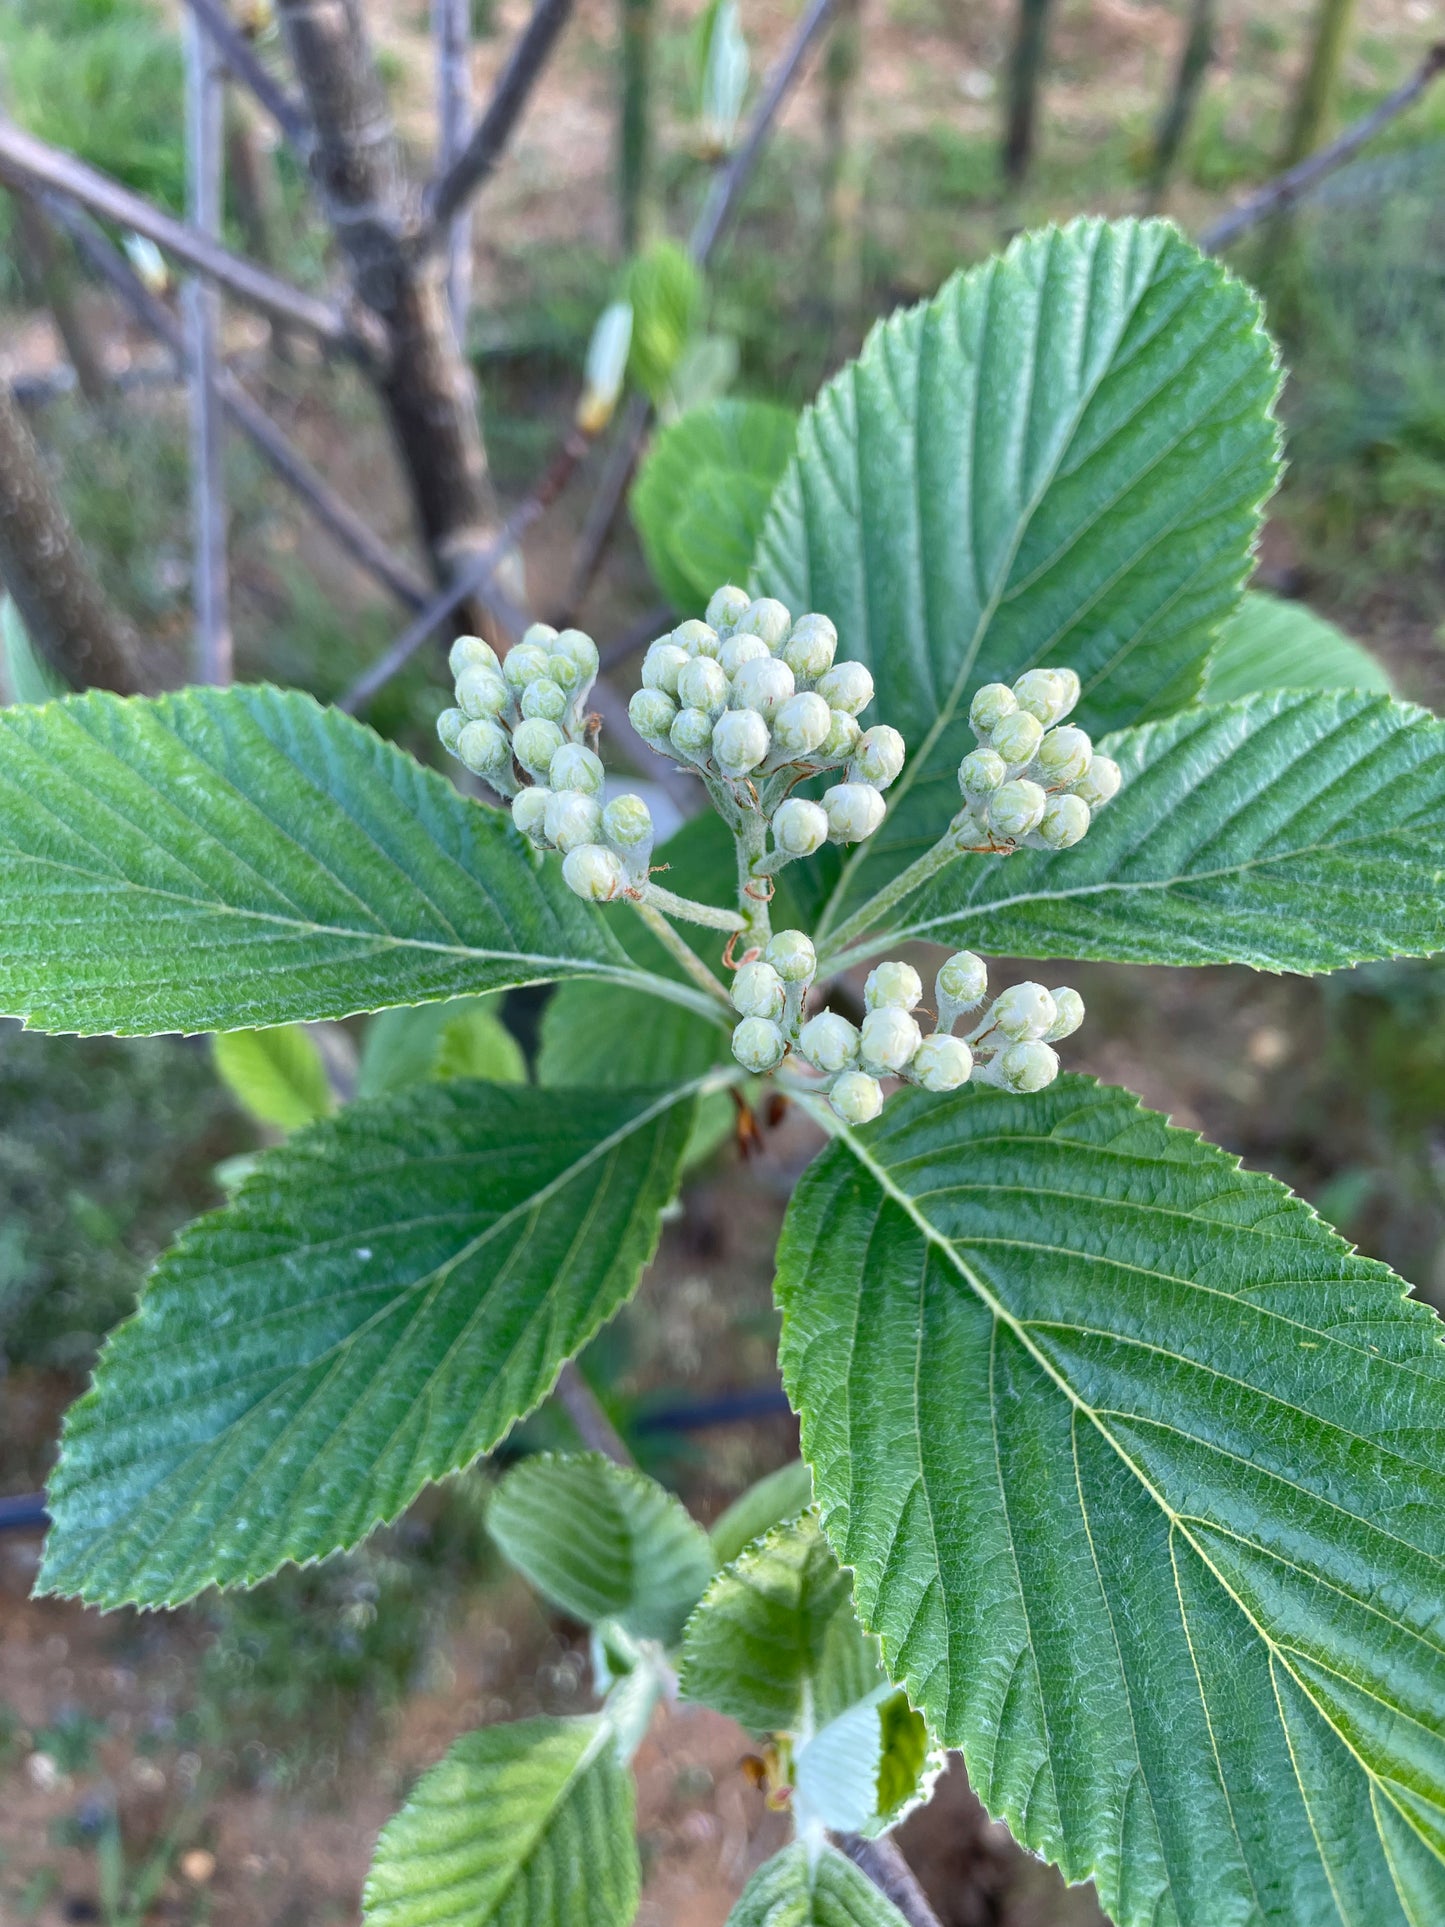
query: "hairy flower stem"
681, 952
690, 911
942, 853
755, 890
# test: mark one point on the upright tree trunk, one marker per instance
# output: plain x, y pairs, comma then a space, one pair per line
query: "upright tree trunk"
1315, 101
48, 258
1026, 64
256, 194
1194, 62
45, 569
634, 135
842, 169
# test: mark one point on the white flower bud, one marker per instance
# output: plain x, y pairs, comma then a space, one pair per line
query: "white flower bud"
545, 699
594, 873
701, 684
1024, 1067
727, 606
1017, 738
652, 713
1017, 807
450, 725
989, 707
758, 991
1064, 755
697, 638
691, 734
941, 1063
893, 986
524, 664
966, 829
981, 772
529, 813
878, 757
1064, 823
627, 826
579, 648
1073, 689
847, 685
564, 672
484, 748
536, 742
1070, 1006
1045, 694
843, 733
802, 723
888, 1040
662, 665
856, 1097
829, 1042
576, 768
470, 652
1024, 1011
800, 827
792, 955
740, 741
737, 650
572, 819
1101, 784
811, 647
764, 684
540, 633
960, 984
481, 692
758, 1044
854, 811
767, 618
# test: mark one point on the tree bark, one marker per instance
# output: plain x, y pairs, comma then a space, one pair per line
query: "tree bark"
1194, 62
256, 189
634, 123
1026, 62
45, 569
1319, 83
47, 258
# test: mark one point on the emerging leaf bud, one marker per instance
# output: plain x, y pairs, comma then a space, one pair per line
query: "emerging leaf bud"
576, 768
740, 741
800, 827
529, 813
1024, 1067
856, 1097
854, 810
524, 664
829, 1042
450, 725
941, 1063
802, 723
691, 734
652, 713
470, 652
1017, 807
536, 742
572, 819
792, 955
481, 692
758, 991
1101, 784
759, 1045
810, 649
878, 757
1024, 1011
727, 606
1017, 738
744, 647
981, 772
843, 733
540, 633
594, 873
701, 684
989, 707
1046, 695
662, 665
1064, 755
767, 618
888, 1040
847, 685
764, 684
545, 699
893, 986
1064, 823
579, 648
484, 748
627, 826
1070, 1007
697, 638
959, 986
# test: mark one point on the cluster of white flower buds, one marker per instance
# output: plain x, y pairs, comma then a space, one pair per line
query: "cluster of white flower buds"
1030, 784
1010, 1047
519, 723
749, 694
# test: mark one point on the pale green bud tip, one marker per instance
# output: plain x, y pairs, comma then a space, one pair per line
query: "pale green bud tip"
740, 741
810, 649
529, 812
450, 725
758, 1044
545, 699
1064, 755
484, 748
1101, 784
627, 823
1017, 808
578, 648
981, 772
1025, 1067
847, 685
740, 649
594, 873
764, 684
962, 981
697, 638
701, 684
536, 742
843, 733
1070, 1007
800, 827
1064, 823
856, 1097
539, 634
652, 713
1047, 694
691, 732
1024, 1011
792, 955
470, 652
662, 665
1017, 737
878, 757
524, 664
888, 1040
829, 1042
989, 707
893, 985
727, 606
481, 691
854, 810
942, 1063
572, 819
758, 991
767, 618
564, 672
576, 768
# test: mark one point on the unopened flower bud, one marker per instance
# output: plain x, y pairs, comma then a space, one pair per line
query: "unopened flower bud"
524, 664
981, 772
572, 819
888, 1040
540, 634
594, 873
544, 699
529, 813
691, 733
1024, 1011
564, 672
829, 1042
1017, 807
802, 723
450, 725
764, 684
767, 618
744, 647
627, 826
701, 684
1044, 695
847, 685
842, 738
662, 665
536, 742
759, 1045
856, 1097
1101, 784
1024, 1067
727, 606
1017, 738
989, 707
1064, 755
959, 986
941, 1063
484, 748
966, 829
481, 692
810, 648
579, 648
470, 652
878, 757
740, 741
652, 713
800, 827
792, 955
1070, 1007
576, 768
758, 991
1064, 823
895, 986
697, 638
854, 810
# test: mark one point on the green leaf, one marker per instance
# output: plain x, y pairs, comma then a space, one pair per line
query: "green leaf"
1141, 1472
1062, 457
1269, 644
811, 1886
476, 1043
463, 1038
664, 286
602, 1541
781, 1496
775, 1643
222, 859
30, 677
703, 493
1295, 831
522, 1825
386, 1295
277, 1075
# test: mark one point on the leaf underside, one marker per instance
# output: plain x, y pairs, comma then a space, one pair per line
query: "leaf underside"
1272, 644
1142, 1476
385, 1296
800, 1887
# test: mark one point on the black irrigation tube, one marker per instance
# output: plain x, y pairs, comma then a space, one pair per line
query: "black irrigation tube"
25, 1514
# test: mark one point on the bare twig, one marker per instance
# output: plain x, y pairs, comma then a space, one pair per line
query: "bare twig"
605, 507
1297, 181
454, 188
594, 1428
882, 1861
451, 24
244, 65
205, 108
637, 635
32, 163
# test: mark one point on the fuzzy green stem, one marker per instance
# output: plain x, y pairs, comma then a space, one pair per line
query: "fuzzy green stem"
690, 911
682, 953
942, 853
754, 889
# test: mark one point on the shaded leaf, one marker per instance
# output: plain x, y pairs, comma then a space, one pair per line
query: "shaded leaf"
778, 1497
1270, 644
30, 678
812, 1886
277, 1075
